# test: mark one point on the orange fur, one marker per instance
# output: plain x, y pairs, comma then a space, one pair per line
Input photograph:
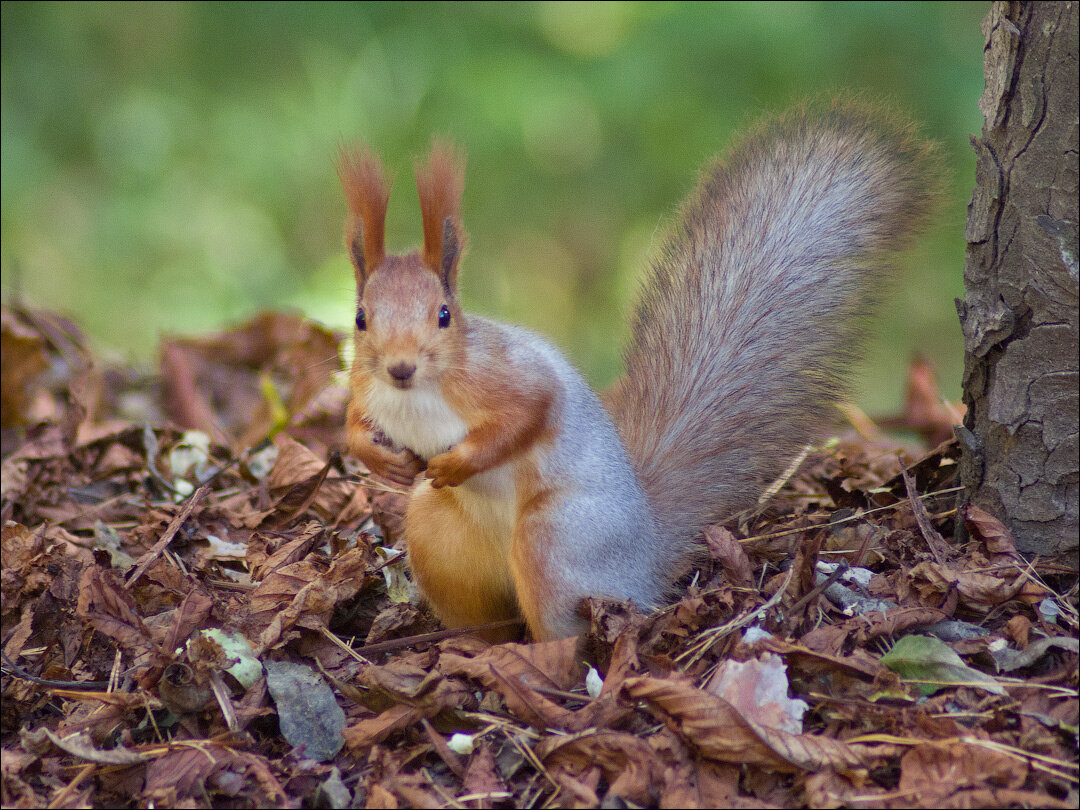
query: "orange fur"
367, 193
358, 428
459, 564
504, 424
529, 556
439, 183
355, 422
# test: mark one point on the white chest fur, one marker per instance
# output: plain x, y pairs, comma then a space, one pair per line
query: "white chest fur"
418, 418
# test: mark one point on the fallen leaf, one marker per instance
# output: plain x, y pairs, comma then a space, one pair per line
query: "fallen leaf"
726, 549
309, 716
81, 746
934, 770
716, 729
978, 591
1007, 660
987, 529
933, 665
23, 349
758, 690
628, 763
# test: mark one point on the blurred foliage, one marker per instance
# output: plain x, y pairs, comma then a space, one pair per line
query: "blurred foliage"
169, 167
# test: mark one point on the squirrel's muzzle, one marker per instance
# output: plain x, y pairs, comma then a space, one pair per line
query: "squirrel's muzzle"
401, 373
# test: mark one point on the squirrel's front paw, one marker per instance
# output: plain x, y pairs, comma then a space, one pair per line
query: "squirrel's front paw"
399, 467
449, 469
402, 467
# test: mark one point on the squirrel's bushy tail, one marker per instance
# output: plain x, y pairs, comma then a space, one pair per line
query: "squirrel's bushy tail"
752, 311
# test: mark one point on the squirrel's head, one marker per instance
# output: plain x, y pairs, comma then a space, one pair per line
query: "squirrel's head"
409, 325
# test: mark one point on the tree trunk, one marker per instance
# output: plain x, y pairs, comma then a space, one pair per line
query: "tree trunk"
1019, 313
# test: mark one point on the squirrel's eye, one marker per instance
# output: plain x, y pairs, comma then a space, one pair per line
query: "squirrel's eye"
361, 319
444, 317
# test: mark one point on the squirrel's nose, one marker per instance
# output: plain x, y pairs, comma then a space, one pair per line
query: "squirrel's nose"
401, 372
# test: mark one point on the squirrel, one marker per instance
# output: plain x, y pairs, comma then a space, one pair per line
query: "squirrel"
535, 492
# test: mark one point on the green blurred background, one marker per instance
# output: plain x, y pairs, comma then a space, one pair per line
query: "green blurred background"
169, 168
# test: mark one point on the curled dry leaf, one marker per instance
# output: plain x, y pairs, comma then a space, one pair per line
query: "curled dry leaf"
833, 639
189, 616
390, 784
418, 692
978, 591
726, 549
628, 763
988, 529
718, 731
516, 671
187, 774
24, 355
522, 701
81, 746
301, 479
1007, 660
482, 778
557, 660
935, 770
112, 611
398, 620
262, 561
361, 736
316, 593
241, 384
859, 664
405, 682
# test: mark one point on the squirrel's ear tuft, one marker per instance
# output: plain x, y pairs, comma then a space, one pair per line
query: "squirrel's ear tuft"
439, 183
367, 192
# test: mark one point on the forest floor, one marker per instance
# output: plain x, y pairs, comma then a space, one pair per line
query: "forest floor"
206, 604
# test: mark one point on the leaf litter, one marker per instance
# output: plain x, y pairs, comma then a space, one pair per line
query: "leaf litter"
205, 604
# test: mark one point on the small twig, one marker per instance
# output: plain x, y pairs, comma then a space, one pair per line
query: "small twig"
707, 639
785, 476
857, 516
114, 674
221, 693
334, 639
150, 715
440, 635
229, 585
938, 547
559, 693
841, 568
64, 796
146, 559
213, 474
89, 686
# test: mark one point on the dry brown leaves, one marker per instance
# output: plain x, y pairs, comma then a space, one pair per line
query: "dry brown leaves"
127, 537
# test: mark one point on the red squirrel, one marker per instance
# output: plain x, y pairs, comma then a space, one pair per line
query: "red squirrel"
536, 494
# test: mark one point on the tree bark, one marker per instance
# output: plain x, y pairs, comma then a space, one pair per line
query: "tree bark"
1019, 313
